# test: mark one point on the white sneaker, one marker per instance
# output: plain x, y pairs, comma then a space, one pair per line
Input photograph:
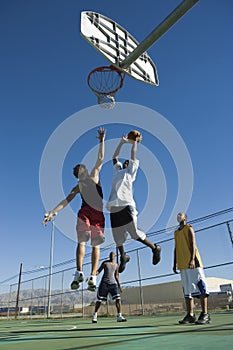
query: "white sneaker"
121, 319
78, 278
94, 319
91, 281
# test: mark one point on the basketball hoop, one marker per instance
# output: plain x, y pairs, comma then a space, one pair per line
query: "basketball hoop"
105, 82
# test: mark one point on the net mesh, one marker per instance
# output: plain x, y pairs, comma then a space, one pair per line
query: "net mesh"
106, 101
105, 82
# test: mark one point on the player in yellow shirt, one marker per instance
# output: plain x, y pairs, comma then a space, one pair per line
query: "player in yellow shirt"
187, 259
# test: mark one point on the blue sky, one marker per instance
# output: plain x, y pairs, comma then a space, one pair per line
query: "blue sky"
44, 66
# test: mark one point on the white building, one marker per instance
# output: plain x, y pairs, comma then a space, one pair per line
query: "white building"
170, 292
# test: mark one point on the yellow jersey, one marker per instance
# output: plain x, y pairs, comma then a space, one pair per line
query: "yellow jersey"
183, 251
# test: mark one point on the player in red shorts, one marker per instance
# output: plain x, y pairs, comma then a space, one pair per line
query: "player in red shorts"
90, 223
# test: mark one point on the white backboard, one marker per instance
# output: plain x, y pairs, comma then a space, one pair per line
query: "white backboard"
115, 44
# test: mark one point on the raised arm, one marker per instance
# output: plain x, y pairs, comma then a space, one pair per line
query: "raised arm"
135, 146
134, 150
118, 149
61, 205
100, 157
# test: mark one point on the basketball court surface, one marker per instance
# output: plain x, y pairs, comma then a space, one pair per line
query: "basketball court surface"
140, 332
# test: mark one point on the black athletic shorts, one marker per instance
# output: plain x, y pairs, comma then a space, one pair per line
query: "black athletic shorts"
121, 216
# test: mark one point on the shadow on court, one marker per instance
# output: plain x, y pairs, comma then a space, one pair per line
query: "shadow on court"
141, 332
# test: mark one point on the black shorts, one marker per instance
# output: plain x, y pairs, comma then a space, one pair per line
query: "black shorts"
121, 216
124, 222
105, 289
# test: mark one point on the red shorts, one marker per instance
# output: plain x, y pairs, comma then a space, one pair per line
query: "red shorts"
90, 225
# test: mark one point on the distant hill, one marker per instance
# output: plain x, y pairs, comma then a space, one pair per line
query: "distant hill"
40, 297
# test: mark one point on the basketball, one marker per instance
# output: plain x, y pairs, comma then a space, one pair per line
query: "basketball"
133, 134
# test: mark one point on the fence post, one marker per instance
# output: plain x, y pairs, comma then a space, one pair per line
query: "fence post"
18, 291
62, 291
50, 268
230, 233
82, 301
31, 299
140, 283
9, 302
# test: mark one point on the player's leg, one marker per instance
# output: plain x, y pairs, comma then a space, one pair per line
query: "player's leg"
91, 280
140, 236
124, 258
97, 238
202, 287
190, 316
118, 306
121, 250
95, 257
189, 306
83, 233
80, 254
156, 249
204, 307
119, 219
120, 318
101, 297
204, 317
97, 221
97, 306
114, 292
186, 280
79, 276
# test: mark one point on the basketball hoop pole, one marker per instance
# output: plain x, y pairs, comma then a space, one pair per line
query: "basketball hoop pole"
50, 268
171, 19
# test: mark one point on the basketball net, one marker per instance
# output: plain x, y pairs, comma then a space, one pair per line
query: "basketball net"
106, 101
105, 82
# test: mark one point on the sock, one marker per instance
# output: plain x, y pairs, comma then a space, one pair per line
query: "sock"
119, 315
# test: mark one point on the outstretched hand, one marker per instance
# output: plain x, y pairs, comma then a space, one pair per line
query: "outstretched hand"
124, 139
101, 134
139, 138
48, 217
